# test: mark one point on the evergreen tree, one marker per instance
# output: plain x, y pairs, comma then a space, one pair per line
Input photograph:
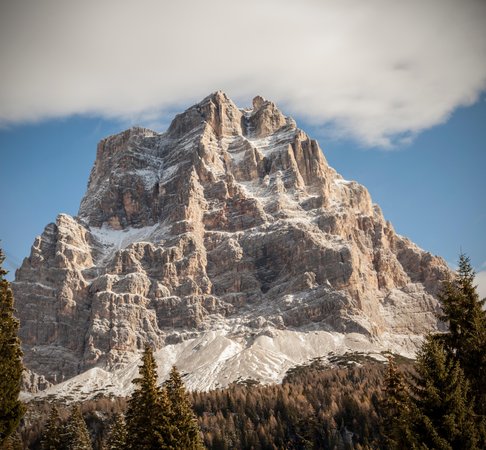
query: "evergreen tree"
51, 438
117, 438
148, 413
465, 340
11, 409
442, 416
13, 442
395, 409
186, 430
76, 435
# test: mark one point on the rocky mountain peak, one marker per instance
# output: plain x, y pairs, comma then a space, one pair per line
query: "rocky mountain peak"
231, 245
212, 137
226, 119
216, 111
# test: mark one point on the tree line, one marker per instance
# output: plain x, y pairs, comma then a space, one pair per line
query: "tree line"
156, 417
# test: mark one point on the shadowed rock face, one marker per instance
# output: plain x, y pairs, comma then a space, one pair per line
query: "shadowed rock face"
232, 220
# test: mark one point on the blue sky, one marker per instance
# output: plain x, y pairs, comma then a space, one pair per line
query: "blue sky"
402, 113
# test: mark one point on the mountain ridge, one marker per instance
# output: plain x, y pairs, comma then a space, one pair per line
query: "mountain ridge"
228, 231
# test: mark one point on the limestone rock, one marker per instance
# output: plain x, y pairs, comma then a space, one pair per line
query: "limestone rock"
231, 221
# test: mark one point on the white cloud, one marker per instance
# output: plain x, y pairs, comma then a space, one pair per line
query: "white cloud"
378, 70
480, 280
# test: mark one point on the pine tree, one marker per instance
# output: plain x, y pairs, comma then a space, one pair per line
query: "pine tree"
11, 409
51, 438
186, 433
13, 442
117, 438
442, 416
75, 435
148, 413
395, 409
465, 340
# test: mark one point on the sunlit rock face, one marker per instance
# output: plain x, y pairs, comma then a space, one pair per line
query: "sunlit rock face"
229, 230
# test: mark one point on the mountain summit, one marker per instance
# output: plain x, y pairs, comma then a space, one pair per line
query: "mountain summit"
229, 244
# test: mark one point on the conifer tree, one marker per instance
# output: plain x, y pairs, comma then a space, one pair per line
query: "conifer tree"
442, 416
76, 435
51, 438
11, 409
148, 413
186, 432
395, 408
465, 340
13, 442
117, 438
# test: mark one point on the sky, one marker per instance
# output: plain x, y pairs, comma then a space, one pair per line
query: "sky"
395, 93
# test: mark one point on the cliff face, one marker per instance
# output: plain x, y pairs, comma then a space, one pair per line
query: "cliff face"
230, 227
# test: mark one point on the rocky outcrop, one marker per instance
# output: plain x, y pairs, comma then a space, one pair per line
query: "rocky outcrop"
232, 220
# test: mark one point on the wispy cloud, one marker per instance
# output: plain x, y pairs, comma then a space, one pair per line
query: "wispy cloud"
380, 71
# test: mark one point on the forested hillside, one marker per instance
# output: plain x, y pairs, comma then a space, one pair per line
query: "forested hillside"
315, 407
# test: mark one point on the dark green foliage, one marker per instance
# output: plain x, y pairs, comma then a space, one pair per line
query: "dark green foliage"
449, 387
11, 409
51, 438
466, 339
13, 442
186, 432
442, 416
148, 413
117, 438
395, 409
75, 435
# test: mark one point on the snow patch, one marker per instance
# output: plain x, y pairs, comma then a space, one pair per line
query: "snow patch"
216, 359
341, 181
274, 142
112, 240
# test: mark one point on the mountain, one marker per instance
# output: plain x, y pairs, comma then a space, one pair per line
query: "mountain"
230, 245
